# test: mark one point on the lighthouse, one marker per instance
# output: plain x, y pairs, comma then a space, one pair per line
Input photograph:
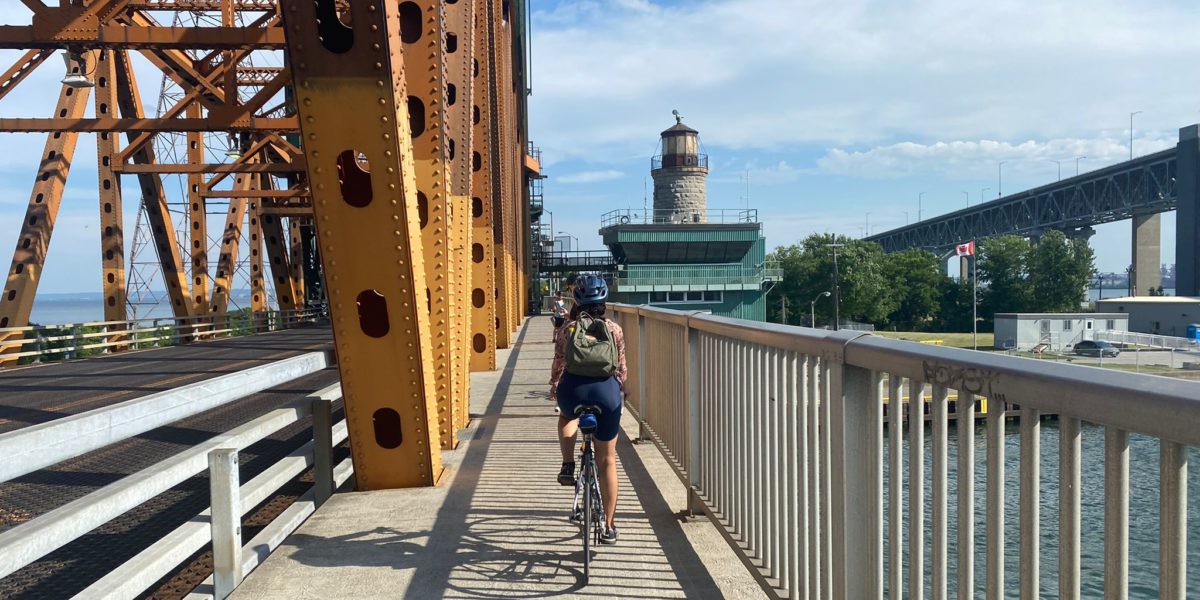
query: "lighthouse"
680, 172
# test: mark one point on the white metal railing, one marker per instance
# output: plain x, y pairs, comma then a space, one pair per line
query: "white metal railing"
71, 340
1147, 339
34, 447
779, 434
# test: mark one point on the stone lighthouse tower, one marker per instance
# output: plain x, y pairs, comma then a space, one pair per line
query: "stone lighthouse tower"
679, 173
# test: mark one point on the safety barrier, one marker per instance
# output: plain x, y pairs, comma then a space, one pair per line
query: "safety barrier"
1149, 340
778, 432
72, 340
59, 440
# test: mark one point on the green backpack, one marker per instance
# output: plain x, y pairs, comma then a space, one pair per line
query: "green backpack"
591, 351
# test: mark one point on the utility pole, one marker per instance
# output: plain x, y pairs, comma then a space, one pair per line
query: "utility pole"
1131, 132
783, 309
837, 288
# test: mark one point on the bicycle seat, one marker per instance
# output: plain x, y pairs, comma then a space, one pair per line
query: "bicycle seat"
587, 418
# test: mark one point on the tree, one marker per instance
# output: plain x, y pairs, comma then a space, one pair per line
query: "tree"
1003, 268
955, 312
1059, 272
918, 286
808, 271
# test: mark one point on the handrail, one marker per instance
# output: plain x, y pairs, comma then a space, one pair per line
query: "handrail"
778, 433
29, 541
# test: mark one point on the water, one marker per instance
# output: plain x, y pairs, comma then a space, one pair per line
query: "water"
1143, 512
86, 307
1118, 292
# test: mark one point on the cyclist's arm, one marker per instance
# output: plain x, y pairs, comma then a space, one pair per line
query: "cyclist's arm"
619, 340
559, 365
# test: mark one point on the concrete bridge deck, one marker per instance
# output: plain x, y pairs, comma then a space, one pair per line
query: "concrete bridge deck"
497, 526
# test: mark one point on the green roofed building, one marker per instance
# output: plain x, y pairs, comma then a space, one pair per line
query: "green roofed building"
681, 254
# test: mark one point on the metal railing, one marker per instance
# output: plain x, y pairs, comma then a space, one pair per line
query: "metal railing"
779, 434
678, 160
35, 447
73, 340
725, 216
1147, 339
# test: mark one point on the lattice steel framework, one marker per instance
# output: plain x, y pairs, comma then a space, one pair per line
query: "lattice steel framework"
1144, 185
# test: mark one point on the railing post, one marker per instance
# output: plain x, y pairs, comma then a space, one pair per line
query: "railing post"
692, 361
858, 456
226, 525
643, 433
322, 424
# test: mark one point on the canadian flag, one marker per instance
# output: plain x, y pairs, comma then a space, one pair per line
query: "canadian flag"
967, 249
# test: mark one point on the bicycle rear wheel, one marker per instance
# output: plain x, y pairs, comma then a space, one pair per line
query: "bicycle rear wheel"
585, 527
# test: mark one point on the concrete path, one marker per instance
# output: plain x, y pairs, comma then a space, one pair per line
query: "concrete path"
496, 526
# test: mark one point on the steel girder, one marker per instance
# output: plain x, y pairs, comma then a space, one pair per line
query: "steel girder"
352, 98
1144, 185
112, 236
460, 36
484, 284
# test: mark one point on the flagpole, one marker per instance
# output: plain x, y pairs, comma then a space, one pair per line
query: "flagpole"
974, 298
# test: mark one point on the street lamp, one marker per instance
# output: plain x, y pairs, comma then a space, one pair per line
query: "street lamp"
1059, 163
919, 198
868, 223
1000, 179
981, 191
905, 216
1136, 112
837, 292
1077, 159
812, 308
967, 197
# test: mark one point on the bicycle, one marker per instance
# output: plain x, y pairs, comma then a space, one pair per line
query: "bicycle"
587, 484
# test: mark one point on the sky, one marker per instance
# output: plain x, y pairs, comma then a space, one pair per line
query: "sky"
840, 109
833, 109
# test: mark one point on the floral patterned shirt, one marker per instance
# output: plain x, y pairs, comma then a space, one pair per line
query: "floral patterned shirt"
560, 354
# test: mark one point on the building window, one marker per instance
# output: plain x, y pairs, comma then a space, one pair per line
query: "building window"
1066, 324
708, 297
1111, 324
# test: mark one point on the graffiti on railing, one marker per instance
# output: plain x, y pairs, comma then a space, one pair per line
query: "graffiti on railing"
967, 379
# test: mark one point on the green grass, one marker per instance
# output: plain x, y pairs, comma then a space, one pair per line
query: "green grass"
954, 340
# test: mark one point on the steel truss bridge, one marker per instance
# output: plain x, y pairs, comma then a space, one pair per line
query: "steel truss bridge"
1147, 185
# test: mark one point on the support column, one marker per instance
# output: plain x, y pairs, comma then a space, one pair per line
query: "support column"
258, 288
353, 103
296, 261
197, 217
112, 235
1146, 256
964, 268
1187, 212
484, 289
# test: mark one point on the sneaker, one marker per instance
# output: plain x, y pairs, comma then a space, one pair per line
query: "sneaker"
566, 475
577, 515
609, 537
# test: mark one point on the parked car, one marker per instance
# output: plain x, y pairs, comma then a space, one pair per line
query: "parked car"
1097, 349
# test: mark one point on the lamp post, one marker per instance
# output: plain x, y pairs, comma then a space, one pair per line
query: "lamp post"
1136, 112
967, 197
920, 197
981, 191
1000, 179
1077, 159
905, 216
867, 223
1059, 163
837, 292
812, 308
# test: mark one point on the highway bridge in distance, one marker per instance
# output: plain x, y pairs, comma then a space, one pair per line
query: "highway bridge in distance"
1135, 190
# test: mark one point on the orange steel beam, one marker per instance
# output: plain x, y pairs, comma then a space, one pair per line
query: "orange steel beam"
277, 254
497, 163
21, 69
212, 123
197, 219
483, 267
352, 98
296, 259
258, 288
23, 37
459, 41
276, 194
200, 167
112, 237
154, 198
29, 258
230, 236
423, 32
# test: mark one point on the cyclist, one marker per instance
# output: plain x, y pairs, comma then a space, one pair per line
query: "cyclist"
571, 391
558, 313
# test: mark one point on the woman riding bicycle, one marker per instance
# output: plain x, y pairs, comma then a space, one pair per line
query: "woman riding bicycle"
572, 390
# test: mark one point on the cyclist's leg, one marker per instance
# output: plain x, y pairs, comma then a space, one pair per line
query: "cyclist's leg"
606, 464
567, 427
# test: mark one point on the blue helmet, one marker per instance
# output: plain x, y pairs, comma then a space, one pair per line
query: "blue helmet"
590, 289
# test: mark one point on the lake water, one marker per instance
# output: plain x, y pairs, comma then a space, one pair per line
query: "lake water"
55, 309
1143, 509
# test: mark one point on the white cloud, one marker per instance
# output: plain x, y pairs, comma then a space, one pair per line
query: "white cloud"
590, 176
974, 160
772, 74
